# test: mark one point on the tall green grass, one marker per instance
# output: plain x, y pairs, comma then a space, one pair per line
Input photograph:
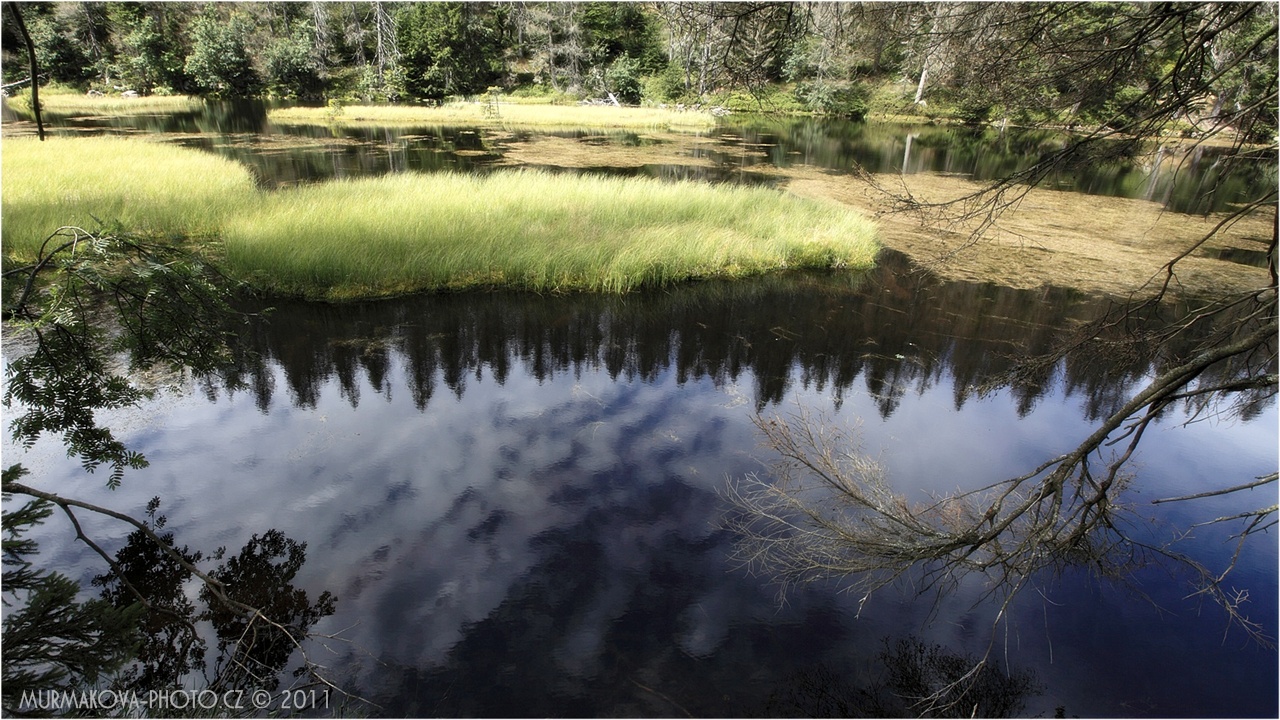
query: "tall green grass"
66, 102
412, 232
532, 230
143, 186
512, 114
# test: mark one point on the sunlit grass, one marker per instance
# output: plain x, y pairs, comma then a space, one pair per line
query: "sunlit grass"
412, 232
509, 114
61, 101
531, 230
142, 186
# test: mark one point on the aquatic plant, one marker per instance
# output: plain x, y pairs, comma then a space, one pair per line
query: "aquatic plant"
59, 101
531, 229
148, 187
412, 232
505, 113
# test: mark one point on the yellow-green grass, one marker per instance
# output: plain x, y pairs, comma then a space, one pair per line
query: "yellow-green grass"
506, 114
143, 186
412, 232
56, 101
532, 230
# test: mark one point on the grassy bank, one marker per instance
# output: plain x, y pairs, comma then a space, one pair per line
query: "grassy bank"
413, 232
58, 100
531, 230
505, 114
143, 186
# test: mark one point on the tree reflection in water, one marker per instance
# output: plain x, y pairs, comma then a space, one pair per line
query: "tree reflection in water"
897, 330
918, 680
252, 653
524, 565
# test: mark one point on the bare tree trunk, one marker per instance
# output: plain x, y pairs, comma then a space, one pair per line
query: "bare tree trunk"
35, 75
387, 51
320, 18
924, 74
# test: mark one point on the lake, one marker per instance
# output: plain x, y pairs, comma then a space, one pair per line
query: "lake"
517, 499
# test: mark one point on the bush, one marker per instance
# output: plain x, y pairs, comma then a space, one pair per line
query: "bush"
770, 98
838, 98
665, 87
622, 78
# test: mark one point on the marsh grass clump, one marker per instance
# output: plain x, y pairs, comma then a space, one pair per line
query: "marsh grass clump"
146, 187
66, 102
532, 230
405, 233
504, 114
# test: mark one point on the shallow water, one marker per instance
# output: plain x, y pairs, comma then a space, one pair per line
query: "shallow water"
515, 499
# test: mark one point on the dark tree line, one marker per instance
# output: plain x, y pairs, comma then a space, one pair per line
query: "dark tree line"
1090, 63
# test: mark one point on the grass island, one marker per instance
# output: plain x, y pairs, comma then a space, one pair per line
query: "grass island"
498, 113
404, 233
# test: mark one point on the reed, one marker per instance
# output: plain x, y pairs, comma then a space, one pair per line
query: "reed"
532, 230
504, 114
59, 101
410, 232
141, 186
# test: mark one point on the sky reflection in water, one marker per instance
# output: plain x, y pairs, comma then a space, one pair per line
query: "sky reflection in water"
514, 498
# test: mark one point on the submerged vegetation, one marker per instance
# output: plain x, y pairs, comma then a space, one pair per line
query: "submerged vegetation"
533, 230
412, 232
507, 114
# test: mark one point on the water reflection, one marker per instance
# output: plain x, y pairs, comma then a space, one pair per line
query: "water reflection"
515, 496
251, 653
887, 330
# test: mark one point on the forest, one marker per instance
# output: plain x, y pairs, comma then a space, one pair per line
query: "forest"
1028, 63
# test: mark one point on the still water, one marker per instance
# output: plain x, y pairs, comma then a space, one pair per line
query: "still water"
515, 499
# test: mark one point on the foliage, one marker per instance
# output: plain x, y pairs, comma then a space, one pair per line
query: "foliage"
622, 79
58, 55
291, 69
827, 511
52, 641
984, 62
261, 576
95, 311
766, 99
170, 647
219, 63
147, 58
166, 308
840, 99
448, 48
251, 652
666, 87
622, 31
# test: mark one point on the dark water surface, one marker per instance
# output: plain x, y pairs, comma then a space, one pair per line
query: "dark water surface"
515, 498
